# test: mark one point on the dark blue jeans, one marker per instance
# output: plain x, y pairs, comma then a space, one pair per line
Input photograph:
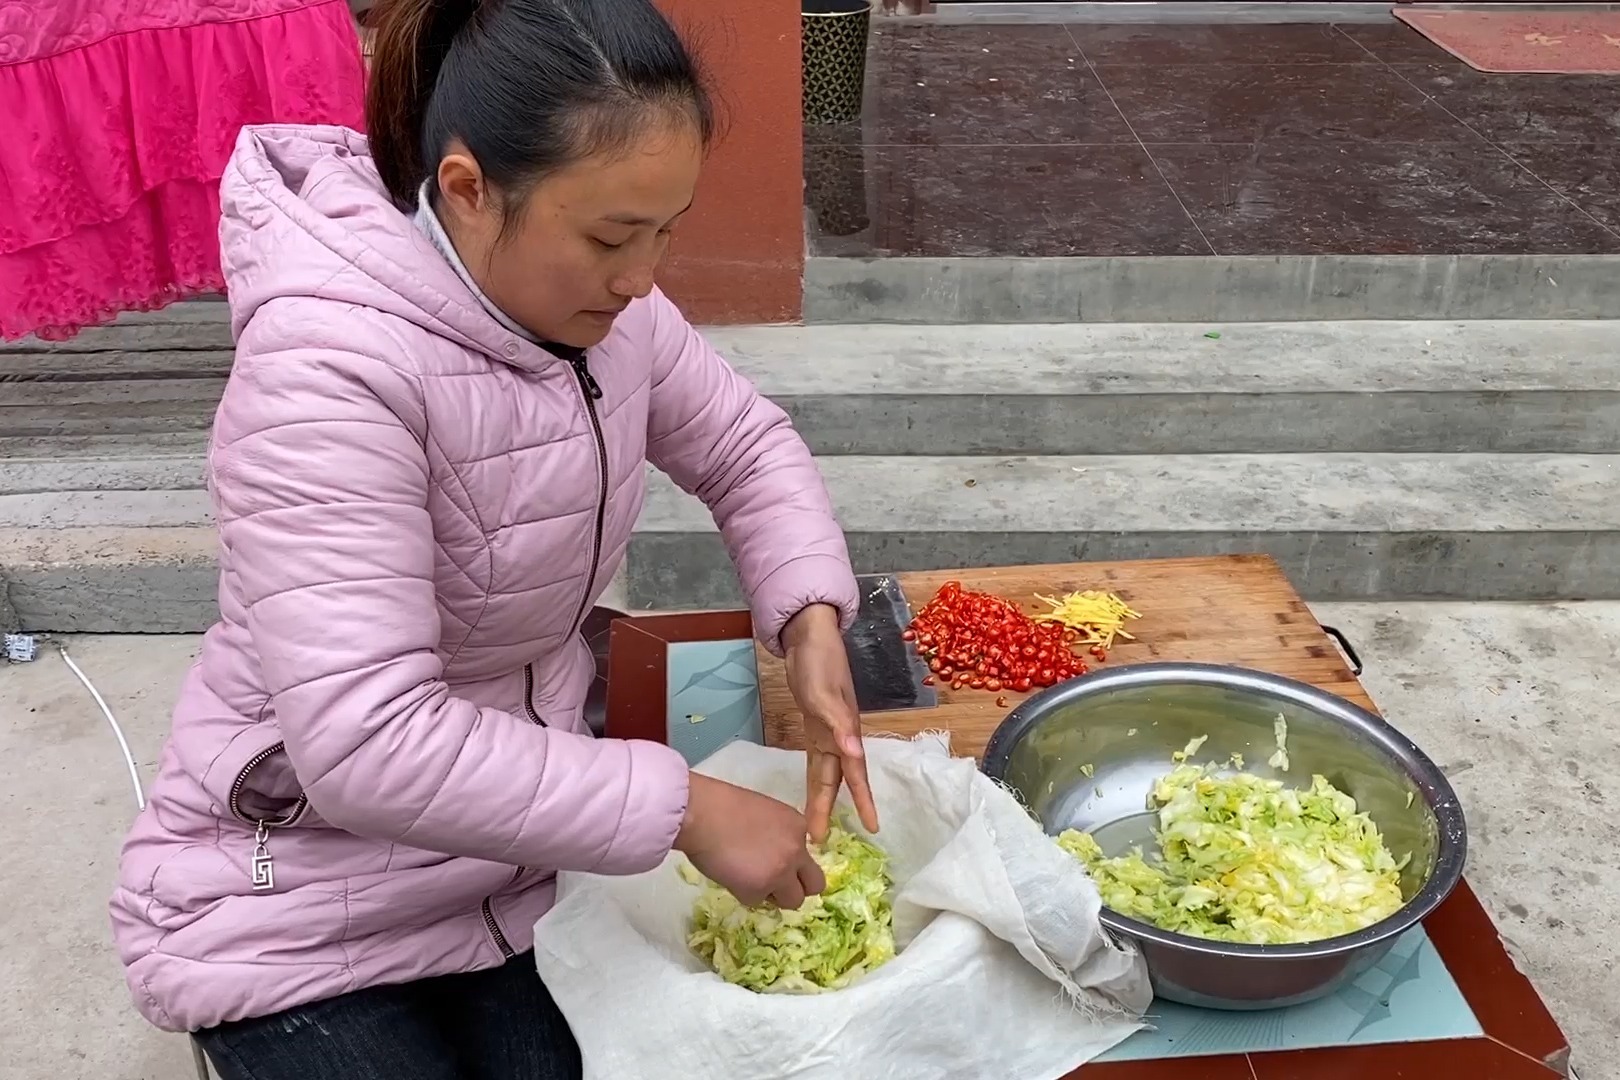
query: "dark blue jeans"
499, 1024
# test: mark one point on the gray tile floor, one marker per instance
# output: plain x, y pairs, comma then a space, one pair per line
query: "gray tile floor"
1516, 701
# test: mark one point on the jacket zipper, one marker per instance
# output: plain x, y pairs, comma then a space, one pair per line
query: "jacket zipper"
488, 906
495, 931
262, 870
528, 696
590, 391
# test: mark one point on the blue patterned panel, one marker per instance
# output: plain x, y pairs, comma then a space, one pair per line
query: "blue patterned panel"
1409, 996
713, 696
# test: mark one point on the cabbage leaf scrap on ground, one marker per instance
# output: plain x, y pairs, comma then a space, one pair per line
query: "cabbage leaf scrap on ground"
831, 941
1246, 859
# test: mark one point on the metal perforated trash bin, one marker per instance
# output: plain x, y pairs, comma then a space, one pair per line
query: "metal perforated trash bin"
834, 42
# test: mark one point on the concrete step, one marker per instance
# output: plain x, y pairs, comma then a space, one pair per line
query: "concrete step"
1363, 387
190, 324
1345, 526
109, 579
127, 545
1212, 288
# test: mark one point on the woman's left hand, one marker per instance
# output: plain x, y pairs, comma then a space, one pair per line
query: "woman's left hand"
818, 675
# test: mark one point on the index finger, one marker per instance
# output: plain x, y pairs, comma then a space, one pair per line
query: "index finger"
821, 783
860, 788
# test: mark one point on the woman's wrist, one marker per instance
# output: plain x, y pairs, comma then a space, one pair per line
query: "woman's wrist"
700, 789
683, 836
812, 620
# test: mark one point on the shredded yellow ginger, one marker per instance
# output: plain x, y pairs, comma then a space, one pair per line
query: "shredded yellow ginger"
1098, 616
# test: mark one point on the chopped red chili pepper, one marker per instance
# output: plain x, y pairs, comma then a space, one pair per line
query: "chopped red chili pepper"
978, 640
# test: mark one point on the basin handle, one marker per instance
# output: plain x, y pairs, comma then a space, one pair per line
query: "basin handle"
1345, 647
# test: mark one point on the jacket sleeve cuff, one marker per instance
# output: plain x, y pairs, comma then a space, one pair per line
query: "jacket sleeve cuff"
794, 586
656, 794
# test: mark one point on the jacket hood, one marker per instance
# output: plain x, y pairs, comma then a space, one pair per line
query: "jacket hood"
305, 214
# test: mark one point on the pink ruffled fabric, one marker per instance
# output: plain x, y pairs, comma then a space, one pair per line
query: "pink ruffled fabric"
112, 150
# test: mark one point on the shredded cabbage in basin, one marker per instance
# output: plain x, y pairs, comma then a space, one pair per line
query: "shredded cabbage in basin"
831, 941
1246, 859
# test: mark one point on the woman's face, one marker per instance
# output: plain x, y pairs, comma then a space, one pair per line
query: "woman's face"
587, 242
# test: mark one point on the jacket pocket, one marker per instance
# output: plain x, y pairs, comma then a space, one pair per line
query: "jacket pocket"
265, 792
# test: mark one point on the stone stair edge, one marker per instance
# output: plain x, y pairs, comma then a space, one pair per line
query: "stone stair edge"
917, 494
1013, 358
1108, 289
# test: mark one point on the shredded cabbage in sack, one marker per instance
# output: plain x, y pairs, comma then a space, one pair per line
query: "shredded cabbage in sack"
1245, 859
831, 941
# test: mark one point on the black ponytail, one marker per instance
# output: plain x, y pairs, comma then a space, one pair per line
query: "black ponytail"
527, 85
412, 38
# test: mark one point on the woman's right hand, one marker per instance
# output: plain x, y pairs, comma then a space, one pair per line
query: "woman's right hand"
750, 843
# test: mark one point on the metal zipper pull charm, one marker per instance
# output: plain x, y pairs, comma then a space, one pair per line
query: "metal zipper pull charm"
264, 874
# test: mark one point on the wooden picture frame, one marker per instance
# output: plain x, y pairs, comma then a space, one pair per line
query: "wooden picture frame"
639, 692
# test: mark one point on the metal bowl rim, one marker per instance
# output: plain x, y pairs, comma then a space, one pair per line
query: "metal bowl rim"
1450, 855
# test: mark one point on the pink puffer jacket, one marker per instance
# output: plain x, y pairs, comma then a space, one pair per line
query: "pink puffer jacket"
415, 509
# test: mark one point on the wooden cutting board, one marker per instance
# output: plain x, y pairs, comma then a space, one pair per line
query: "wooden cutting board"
1224, 609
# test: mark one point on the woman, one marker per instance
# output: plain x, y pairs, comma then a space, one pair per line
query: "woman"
451, 365
119, 117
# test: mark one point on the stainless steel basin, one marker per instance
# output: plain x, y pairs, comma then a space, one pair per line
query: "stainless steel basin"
1126, 722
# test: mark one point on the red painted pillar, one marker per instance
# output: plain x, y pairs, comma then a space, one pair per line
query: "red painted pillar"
738, 256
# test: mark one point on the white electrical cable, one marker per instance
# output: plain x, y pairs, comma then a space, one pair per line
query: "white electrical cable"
123, 743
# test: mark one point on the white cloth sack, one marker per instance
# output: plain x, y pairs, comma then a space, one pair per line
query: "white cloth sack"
1003, 968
